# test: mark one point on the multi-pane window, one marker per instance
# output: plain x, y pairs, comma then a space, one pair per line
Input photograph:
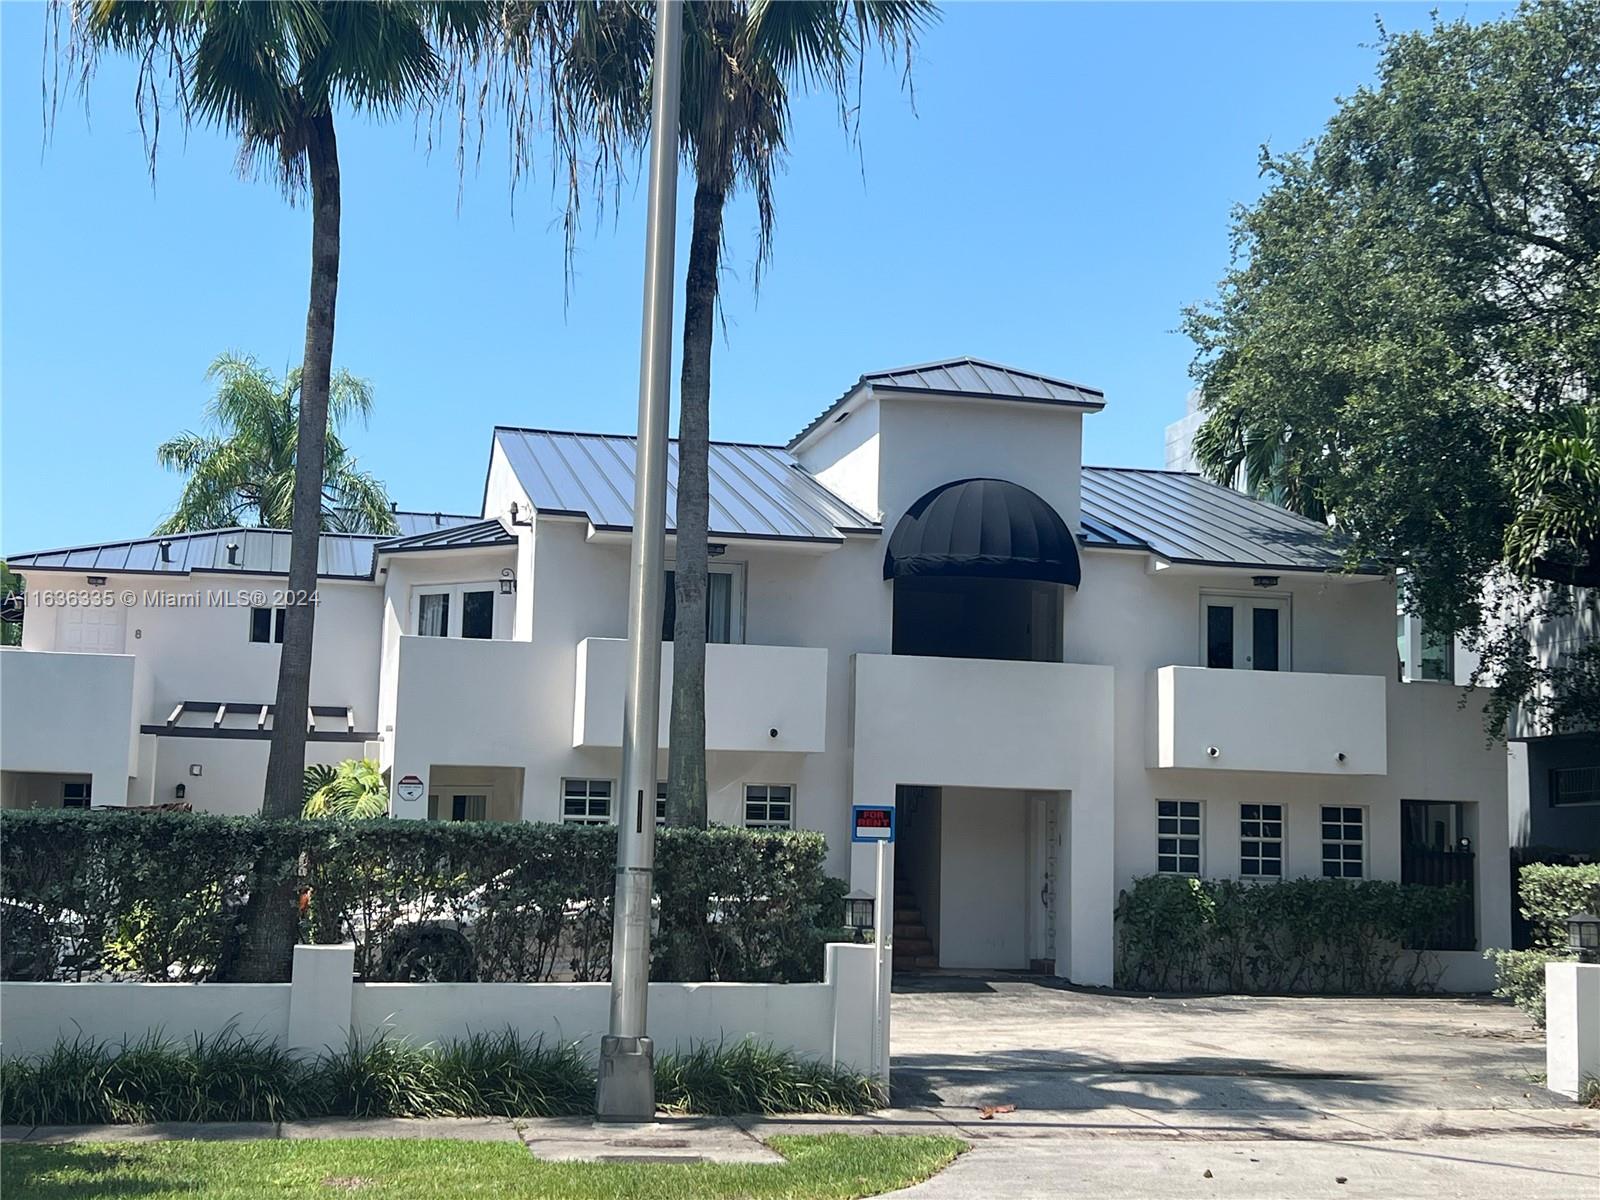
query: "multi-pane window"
1261, 841
769, 806
266, 624
75, 794
661, 804
1178, 837
1343, 842
586, 801
455, 610
1575, 785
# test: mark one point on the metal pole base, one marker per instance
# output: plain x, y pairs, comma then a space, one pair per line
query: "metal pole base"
627, 1089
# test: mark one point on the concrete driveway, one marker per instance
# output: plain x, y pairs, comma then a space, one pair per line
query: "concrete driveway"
971, 1041
1236, 1098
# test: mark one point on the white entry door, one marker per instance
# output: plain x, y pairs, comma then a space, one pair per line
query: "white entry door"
90, 629
1245, 633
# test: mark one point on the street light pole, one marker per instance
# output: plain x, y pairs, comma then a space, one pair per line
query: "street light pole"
627, 1061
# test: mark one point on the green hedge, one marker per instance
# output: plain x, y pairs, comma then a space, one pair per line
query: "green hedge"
1329, 936
161, 896
1548, 896
233, 1078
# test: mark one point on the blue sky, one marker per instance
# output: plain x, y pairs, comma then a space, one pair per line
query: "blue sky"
1059, 191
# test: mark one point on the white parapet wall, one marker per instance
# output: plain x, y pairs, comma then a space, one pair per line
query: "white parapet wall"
323, 1006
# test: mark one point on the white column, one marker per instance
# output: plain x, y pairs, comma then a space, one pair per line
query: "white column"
321, 992
1571, 1026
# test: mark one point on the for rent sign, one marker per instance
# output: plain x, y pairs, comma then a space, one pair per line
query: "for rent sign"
871, 823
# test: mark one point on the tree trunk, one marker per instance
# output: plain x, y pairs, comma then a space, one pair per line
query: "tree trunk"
270, 926
686, 774
685, 927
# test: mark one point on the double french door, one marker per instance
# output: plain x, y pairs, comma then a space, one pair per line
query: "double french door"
1245, 633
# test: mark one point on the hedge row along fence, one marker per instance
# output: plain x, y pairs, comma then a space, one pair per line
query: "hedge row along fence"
1548, 895
1313, 936
161, 897
233, 1078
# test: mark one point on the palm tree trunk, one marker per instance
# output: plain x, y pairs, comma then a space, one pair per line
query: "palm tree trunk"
270, 918
686, 926
686, 775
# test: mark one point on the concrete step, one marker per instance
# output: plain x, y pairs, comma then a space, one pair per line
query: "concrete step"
903, 916
912, 946
910, 929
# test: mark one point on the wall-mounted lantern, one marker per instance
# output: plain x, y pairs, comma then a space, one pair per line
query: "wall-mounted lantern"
858, 911
1583, 935
179, 792
97, 580
1264, 581
508, 581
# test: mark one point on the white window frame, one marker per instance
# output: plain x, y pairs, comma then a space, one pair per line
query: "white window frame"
1260, 823
576, 788
1170, 827
456, 592
736, 595
767, 799
274, 626
1342, 825
1243, 630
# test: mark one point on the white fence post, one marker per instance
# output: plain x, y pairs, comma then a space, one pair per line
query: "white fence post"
1571, 1026
321, 991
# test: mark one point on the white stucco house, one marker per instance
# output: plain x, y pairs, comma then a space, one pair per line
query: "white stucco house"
1064, 676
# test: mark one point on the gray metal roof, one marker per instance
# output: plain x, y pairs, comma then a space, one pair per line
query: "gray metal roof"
413, 523
756, 491
1187, 519
259, 552
967, 377
478, 535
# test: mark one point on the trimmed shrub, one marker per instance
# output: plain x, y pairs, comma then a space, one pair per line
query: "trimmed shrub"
230, 1078
1548, 896
1330, 936
162, 896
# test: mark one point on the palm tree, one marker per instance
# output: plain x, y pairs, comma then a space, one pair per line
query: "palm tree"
741, 58
272, 73
353, 791
243, 473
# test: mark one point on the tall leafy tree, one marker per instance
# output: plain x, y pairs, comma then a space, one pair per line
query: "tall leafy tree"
242, 472
274, 74
1408, 339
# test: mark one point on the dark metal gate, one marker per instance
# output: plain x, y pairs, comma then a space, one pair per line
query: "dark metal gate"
1444, 868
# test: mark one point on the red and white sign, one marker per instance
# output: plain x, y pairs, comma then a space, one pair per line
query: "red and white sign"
409, 787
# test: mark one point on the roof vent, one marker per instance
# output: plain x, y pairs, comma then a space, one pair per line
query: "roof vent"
233, 554
438, 518
166, 550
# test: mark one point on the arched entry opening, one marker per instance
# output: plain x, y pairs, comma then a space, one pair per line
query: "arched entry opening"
979, 568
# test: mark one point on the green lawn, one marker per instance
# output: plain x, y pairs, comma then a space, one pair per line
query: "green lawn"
832, 1165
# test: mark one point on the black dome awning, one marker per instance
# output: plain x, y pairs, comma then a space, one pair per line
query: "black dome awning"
986, 529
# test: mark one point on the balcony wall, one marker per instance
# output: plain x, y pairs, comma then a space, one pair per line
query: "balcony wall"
751, 691
1284, 721
66, 713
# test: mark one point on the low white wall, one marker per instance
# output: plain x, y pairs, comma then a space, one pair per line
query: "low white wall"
1295, 722
750, 692
1572, 1026
830, 1021
33, 1016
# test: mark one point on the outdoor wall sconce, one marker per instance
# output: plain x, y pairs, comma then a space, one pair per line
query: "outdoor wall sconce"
858, 911
179, 791
1464, 845
97, 581
195, 769
1212, 752
1583, 935
508, 582
773, 732
1264, 581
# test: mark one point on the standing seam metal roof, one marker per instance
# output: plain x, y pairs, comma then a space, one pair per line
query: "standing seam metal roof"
1185, 518
260, 552
479, 535
967, 377
756, 491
